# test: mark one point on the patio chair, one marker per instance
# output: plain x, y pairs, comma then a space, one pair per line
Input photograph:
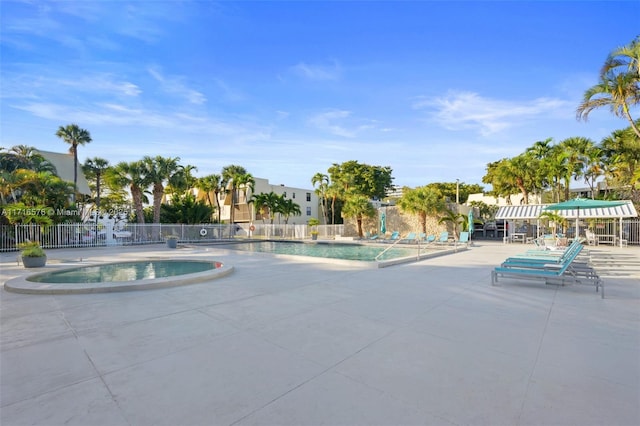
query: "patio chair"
444, 238
395, 235
410, 238
464, 238
430, 239
591, 237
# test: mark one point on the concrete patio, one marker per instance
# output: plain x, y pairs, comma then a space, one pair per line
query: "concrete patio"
297, 341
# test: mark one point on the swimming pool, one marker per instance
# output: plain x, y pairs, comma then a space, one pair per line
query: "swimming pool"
124, 271
343, 251
119, 276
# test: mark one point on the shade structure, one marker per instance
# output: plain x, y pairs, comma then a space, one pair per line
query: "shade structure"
383, 223
566, 208
471, 226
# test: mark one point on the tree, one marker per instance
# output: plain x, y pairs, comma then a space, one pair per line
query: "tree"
230, 176
619, 85
455, 219
157, 171
131, 175
267, 204
74, 136
185, 209
94, 169
211, 184
358, 206
422, 201
621, 155
511, 175
288, 208
354, 178
322, 181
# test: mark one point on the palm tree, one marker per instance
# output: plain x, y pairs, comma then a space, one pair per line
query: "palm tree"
158, 170
358, 206
230, 176
289, 208
74, 136
575, 148
422, 201
322, 181
593, 167
131, 175
455, 219
619, 85
210, 184
95, 168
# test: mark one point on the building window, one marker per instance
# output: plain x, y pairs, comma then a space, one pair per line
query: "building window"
284, 195
293, 195
308, 211
308, 196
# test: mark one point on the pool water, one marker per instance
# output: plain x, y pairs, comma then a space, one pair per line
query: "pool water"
329, 250
125, 271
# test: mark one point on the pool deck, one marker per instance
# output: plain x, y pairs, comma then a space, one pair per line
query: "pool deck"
291, 341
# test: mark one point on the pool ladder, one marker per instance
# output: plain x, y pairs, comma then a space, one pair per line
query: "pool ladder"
392, 246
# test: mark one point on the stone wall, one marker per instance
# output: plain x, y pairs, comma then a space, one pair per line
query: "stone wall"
396, 221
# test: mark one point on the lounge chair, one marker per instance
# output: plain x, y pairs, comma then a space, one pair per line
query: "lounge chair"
552, 271
464, 238
410, 238
430, 239
444, 238
395, 235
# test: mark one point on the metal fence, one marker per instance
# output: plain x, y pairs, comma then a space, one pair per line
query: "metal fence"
96, 235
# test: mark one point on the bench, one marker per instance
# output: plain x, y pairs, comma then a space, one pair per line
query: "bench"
550, 270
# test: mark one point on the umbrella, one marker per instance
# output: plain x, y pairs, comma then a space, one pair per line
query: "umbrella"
383, 223
471, 227
578, 204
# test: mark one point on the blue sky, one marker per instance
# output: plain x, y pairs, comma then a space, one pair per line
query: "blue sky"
434, 90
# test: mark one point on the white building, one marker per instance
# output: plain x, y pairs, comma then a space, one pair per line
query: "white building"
513, 200
245, 211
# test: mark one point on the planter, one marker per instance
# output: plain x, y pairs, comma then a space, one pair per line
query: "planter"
34, 262
314, 236
172, 243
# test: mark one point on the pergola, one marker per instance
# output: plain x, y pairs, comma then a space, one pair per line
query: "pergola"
532, 212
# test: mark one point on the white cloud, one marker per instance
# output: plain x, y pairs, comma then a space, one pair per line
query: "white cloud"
175, 86
317, 72
339, 123
468, 110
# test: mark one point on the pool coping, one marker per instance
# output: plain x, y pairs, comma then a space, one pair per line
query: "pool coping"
22, 285
374, 264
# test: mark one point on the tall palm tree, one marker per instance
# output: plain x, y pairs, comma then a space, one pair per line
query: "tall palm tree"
288, 208
94, 168
159, 170
74, 136
230, 177
358, 206
322, 180
422, 201
575, 149
131, 175
619, 85
593, 167
210, 184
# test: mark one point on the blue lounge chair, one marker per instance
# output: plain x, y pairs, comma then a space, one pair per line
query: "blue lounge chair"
552, 272
444, 238
394, 236
430, 239
410, 238
464, 238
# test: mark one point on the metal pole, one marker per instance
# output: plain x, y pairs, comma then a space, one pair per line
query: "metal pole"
457, 191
